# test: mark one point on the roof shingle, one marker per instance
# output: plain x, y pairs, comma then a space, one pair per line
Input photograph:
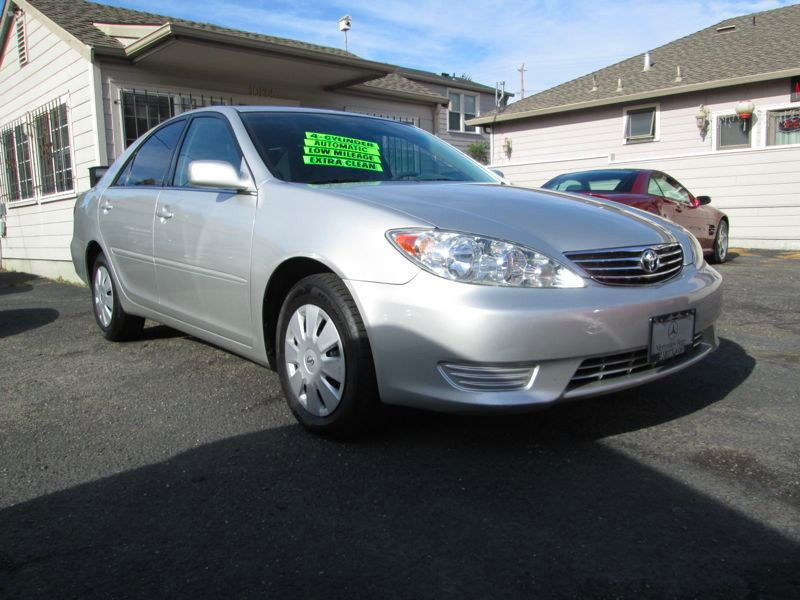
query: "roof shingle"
759, 43
78, 17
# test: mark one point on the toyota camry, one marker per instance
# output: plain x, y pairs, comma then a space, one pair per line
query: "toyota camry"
370, 262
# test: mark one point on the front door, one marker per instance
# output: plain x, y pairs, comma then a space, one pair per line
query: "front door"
203, 238
125, 214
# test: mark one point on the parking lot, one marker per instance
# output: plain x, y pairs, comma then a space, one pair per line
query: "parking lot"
165, 467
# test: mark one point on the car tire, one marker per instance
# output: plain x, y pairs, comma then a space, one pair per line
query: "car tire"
324, 359
720, 254
115, 323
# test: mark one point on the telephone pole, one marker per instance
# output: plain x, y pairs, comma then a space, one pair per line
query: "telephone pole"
522, 70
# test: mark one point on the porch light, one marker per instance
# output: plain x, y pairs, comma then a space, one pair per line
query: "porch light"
745, 110
701, 117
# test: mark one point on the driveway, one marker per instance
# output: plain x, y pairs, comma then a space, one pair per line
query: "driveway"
167, 468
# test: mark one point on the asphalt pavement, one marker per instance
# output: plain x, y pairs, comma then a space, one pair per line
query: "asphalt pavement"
168, 468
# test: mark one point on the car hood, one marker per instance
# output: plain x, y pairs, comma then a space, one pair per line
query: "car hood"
544, 220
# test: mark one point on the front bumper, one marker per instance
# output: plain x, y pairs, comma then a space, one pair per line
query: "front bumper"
417, 327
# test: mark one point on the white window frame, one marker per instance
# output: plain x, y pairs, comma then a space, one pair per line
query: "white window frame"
755, 133
38, 197
462, 93
656, 106
762, 118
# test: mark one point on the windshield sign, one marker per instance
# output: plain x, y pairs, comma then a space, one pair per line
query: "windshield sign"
319, 148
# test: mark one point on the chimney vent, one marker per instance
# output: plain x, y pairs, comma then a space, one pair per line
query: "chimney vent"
594, 83
619, 84
647, 62
679, 74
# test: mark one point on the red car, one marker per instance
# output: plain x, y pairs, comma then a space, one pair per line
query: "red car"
658, 193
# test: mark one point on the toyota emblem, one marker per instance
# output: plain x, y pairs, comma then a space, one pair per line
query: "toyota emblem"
649, 261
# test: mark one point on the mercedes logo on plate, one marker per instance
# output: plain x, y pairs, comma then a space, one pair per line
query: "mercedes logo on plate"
649, 261
672, 331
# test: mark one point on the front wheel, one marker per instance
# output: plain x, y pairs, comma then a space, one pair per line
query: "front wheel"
324, 359
721, 243
115, 323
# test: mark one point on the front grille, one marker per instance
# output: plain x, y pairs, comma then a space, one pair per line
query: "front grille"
488, 378
623, 266
602, 368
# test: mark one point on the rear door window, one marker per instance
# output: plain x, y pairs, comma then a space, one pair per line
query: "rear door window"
151, 162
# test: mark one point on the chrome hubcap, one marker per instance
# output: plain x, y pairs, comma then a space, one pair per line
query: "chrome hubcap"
722, 240
103, 296
314, 360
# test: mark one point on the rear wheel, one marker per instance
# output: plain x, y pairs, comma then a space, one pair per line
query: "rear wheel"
114, 322
324, 359
721, 243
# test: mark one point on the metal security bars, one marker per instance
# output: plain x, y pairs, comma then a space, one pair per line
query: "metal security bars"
17, 179
36, 155
52, 148
142, 109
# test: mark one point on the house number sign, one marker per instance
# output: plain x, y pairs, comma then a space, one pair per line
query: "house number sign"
260, 90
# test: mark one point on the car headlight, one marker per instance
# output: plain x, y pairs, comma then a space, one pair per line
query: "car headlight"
475, 259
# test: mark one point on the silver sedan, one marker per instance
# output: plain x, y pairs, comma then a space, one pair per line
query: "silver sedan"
369, 262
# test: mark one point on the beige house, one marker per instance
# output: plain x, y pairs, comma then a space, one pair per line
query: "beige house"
80, 81
675, 109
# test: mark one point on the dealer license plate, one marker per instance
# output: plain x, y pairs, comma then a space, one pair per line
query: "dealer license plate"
671, 335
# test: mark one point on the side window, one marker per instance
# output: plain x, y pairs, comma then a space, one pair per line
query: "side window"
569, 185
208, 138
150, 164
653, 187
667, 187
675, 191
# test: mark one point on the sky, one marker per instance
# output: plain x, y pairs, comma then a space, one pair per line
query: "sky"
488, 39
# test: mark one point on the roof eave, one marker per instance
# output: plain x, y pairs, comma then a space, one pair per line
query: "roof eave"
465, 85
170, 30
670, 91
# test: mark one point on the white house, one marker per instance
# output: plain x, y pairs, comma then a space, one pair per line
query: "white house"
674, 109
80, 81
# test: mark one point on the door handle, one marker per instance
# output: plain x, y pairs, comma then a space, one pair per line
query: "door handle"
106, 206
164, 212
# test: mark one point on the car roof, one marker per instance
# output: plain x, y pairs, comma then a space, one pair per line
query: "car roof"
229, 110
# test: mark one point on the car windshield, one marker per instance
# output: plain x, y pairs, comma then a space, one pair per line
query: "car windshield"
320, 148
593, 181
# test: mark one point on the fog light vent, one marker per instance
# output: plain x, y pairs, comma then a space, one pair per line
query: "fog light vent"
488, 378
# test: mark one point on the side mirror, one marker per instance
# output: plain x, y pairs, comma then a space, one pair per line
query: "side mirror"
216, 174
498, 172
96, 174
702, 200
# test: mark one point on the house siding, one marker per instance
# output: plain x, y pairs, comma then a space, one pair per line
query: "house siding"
41, 230
758, 187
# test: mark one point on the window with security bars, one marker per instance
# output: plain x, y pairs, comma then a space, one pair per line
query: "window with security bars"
142, 109
36, 155
17, 180
53, 149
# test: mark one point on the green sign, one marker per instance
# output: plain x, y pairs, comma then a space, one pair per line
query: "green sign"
328, 150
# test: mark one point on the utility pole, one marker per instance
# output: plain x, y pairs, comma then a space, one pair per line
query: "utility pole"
522, 70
